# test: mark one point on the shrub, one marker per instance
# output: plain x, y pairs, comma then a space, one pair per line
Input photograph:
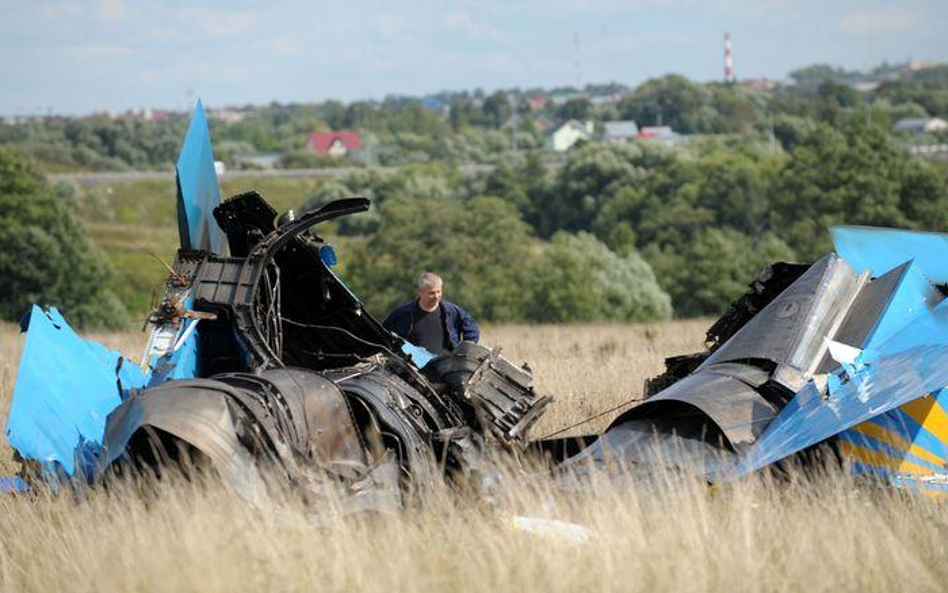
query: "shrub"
44, 255
578, 278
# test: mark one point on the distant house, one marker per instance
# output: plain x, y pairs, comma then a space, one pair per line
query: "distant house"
761, 84
228, 115
920, 125
513, 122
432, 103
662, 133
146, 114
567, 135
334, 143
614, 132
537, 102
865, 86
610, 99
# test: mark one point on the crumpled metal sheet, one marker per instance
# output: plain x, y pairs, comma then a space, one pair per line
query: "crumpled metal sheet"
906, 358
737, 408
65, 389
885, 384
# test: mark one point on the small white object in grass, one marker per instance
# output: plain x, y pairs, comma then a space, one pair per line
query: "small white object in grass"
571, 532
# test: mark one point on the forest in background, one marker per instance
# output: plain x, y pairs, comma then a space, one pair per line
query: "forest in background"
607, 232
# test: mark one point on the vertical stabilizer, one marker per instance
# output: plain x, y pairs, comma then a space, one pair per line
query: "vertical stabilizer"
198, 191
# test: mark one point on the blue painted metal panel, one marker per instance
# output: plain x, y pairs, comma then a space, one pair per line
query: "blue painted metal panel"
880, 250
65, 389
420, 356
198, 191
912, 299
881, 385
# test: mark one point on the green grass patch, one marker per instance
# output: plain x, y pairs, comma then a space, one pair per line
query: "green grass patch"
126, 221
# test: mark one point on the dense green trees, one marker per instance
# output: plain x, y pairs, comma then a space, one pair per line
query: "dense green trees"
708, 217
704, 275
857, 176
577, 278
480, 246
604, 233
44, 255
494, 268
579, 108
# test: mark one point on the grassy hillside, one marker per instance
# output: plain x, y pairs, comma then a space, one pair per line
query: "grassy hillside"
130, 221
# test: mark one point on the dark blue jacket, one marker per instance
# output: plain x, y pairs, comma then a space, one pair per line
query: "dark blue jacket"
458, 322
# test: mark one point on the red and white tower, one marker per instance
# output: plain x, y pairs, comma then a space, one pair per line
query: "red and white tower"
728, 61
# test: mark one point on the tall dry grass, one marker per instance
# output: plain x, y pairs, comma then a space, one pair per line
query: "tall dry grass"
821, 533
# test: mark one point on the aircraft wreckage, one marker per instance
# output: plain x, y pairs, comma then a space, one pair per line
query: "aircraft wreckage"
262, 362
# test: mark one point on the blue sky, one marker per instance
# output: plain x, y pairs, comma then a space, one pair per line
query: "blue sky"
77, 57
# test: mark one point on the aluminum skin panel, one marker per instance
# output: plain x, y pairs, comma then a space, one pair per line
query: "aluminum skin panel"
883, 384
790, 330
736, 407
864, 314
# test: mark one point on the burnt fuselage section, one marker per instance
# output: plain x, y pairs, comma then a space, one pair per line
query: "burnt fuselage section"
285, 366
709, 409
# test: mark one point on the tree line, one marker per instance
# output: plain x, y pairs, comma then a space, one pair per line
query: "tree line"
524, 242
627, 232
477, 127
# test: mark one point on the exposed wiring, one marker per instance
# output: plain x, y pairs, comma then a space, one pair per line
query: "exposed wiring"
339, 329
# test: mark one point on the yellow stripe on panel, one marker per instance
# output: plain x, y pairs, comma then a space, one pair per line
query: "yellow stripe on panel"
927, 412
870, 457
871, 429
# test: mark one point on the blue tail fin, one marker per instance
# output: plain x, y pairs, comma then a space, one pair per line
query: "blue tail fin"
198, 191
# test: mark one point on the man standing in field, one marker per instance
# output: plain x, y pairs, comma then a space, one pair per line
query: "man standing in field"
431, 322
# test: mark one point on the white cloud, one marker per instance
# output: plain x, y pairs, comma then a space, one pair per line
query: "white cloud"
164, 33
111, 10
459, 21
98, 52
880, 21
284, 47
391, 27
218, 23
59, 11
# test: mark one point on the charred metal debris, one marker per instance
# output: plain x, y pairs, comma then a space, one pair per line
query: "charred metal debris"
294, 371
262, 363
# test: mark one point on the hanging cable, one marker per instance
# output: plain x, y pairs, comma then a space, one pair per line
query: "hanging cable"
590, 419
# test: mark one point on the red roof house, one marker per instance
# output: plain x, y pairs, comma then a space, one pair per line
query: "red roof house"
334, 143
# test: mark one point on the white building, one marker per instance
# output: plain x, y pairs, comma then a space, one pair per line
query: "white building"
567, 135
619, 131
920, 125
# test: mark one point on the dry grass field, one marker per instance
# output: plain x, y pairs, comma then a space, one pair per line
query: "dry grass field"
816, 534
